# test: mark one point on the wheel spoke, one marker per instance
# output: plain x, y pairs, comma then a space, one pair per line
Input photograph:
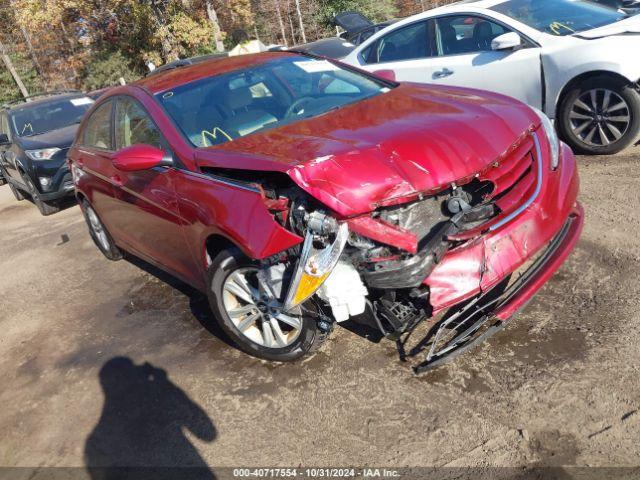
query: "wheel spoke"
267, 334
581, 128
603, 136
280, 337
241, 311
579, 116
232, 287
614, 130
242, 281
594, 99
606, 100
248, 321
293, 322
582, 105
623, 118
616, 107
589, 137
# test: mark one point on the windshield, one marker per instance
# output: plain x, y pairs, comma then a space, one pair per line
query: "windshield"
222, 108
559, 17
45, 117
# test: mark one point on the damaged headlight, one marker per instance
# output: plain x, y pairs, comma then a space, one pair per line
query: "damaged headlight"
314, 266
552, 137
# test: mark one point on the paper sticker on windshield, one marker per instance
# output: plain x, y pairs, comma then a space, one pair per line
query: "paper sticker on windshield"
316, 66
78, 102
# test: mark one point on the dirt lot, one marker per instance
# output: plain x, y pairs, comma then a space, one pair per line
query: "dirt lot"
105, 363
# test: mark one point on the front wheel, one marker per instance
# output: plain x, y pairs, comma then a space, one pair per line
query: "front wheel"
600, 116
46, 208
16, 193
252, 318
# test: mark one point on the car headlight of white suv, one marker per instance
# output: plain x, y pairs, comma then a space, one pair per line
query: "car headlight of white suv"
552, 137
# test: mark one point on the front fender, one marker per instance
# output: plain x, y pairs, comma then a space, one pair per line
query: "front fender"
613, 55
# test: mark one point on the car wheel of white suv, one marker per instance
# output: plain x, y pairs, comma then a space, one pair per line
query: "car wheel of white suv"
600, 116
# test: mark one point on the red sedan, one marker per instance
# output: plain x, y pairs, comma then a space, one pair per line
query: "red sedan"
298, 192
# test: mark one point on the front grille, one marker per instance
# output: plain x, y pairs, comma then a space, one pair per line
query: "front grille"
515, 177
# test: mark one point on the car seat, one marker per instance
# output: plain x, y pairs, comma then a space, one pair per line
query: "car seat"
483, 35
243, 118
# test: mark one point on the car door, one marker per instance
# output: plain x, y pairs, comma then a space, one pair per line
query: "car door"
465, 58
407, 51
145, 214
91, 165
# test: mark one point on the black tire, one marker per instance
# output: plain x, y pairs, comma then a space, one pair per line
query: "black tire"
104, 243
46, 208
307, 342
16, 193
619, 89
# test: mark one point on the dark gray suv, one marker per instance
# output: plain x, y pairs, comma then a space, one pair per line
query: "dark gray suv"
35, 137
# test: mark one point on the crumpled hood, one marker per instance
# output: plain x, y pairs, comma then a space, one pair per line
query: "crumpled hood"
412, 139
61, 138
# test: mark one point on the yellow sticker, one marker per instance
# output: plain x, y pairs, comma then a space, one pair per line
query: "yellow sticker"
557, 27
213, 134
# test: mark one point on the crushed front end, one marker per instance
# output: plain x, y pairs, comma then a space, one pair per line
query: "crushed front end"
465, 256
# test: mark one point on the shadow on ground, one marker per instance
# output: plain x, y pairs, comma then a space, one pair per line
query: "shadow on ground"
142, 427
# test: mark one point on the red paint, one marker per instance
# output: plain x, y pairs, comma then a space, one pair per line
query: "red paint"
137, 157
481, 264
384, 233
414, 140
386, 74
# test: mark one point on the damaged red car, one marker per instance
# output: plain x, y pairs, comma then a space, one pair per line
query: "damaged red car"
299, 193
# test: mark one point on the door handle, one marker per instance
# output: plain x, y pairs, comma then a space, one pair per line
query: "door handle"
445, 72
117, 181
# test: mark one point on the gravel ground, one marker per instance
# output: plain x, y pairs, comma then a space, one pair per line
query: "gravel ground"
105, 363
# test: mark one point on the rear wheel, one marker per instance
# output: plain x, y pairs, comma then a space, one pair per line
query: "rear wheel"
600, 116
99, 233
253, 318
46, 208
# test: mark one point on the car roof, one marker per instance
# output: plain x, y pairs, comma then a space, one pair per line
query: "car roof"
41, 100
168, 79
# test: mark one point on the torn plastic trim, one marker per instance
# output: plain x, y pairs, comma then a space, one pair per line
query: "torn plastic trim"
314, 267
533, 196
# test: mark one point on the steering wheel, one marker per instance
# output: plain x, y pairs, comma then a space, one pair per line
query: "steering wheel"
298, 106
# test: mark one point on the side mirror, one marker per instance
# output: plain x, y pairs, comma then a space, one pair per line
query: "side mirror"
140, 157
386, 74
507, 41
4, 139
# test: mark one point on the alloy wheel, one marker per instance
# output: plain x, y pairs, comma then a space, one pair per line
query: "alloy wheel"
98, 229
599, 117
256, 314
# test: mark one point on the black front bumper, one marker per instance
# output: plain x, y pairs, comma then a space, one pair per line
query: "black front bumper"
61, 187
61, 182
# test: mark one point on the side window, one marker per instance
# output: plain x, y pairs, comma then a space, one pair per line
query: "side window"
134, 126
97, 132
406, 43
459, 34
